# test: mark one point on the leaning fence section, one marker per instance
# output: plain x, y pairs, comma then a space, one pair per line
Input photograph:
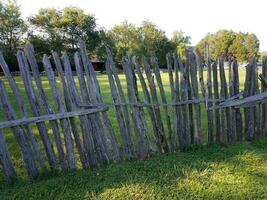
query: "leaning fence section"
70, 126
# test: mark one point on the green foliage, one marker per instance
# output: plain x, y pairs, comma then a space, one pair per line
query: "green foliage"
181, 42
12, 29
241, 46
63, 28
140, 40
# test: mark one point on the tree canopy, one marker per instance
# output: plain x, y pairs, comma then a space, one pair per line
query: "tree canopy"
241, 46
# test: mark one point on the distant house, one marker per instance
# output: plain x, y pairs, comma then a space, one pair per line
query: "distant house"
99, 65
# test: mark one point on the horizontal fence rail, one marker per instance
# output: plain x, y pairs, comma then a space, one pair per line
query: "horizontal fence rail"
71, 126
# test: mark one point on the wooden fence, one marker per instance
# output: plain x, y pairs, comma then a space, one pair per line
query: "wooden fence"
81, 128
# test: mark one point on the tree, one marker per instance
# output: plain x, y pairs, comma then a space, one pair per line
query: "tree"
126, 39
62, 29
240, 45
180, 41
140, 40
12, 29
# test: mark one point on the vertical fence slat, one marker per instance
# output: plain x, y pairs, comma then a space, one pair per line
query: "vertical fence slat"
100, 150
226, 116
23, 112
96, 96
69, 107
190, 106
216, 96
184, 107
124, 107
36, 110
195, 96
143, 151
121, 119
147, 100
210, 96
264, 89
19, 133
5, 160
154, 63
153, 91
70, 155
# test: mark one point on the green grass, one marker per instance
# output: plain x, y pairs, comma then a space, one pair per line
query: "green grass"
234, 172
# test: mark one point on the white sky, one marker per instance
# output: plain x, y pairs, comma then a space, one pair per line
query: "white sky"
195, 17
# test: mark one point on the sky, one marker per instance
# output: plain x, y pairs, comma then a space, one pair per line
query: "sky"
195, 17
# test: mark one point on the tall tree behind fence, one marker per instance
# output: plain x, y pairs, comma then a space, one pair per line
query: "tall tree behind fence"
81, 128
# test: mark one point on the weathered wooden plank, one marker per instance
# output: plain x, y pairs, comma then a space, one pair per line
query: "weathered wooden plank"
36, 105
210, 96
19, 133
70, 107
36, 110
173, 94
70, 155
22, 109
93, 125
226, 114
154, 63
177, 101
190, 106
142, 148
124, 108
5, 160
197, 108
56, 116
184, 108
119, 114
97, 98
264, 89
153, 91
232, 92
147, 99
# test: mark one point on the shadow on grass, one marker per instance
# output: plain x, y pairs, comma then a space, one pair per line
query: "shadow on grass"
235, 172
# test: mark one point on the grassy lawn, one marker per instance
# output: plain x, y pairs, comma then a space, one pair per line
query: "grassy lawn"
235, 172
229, 172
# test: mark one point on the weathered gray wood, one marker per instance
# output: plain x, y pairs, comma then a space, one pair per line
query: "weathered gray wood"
85, 120
226, 115
124, 107
184, 108
143, 151
19, 133
197, 108
209, 87
94, 126
232, 92
216, 96
69, 107
264, 89
190, 106
154, 63
147, 99
36, 106
36, 110
5, 160
56, 116
173, 94
22, 110
119, 114
97, 98
70, 155
153, 91
177, 100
